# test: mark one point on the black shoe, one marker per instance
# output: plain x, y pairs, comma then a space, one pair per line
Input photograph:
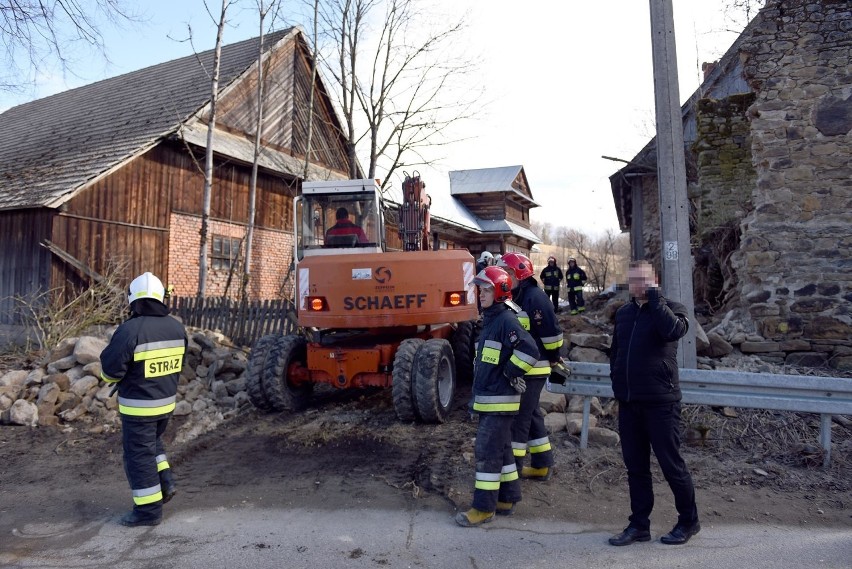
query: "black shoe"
680, 534
134, 518
168, 493
629, 535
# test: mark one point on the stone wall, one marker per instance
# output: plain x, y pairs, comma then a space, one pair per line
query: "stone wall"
721, 197
795, 258
726, 174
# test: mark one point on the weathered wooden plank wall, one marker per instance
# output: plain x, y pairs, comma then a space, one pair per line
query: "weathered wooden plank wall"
26, 264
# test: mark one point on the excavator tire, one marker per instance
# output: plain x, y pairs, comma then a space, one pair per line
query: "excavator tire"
282, 396
254, 371
463, 342
434, 380
403, 397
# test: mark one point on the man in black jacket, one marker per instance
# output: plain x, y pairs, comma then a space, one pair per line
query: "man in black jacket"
644, 373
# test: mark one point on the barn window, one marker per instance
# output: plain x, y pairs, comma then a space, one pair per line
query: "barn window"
225, 252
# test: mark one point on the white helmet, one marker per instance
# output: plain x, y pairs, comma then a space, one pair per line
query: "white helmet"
146, 285
486, 256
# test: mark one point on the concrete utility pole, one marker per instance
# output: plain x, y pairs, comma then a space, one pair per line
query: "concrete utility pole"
671, 174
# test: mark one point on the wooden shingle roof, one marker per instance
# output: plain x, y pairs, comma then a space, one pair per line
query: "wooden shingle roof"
53, 147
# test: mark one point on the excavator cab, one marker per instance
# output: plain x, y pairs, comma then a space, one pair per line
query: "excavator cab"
334, 218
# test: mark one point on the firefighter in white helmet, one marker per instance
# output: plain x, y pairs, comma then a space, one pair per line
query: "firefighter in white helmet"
486, 259
144, 359
504, 354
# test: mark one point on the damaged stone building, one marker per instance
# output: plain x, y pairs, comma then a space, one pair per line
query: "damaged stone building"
768, 143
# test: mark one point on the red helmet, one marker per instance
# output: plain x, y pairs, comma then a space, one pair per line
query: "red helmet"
498, 279
519, 263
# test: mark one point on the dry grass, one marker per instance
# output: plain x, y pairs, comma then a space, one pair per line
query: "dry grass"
51, 317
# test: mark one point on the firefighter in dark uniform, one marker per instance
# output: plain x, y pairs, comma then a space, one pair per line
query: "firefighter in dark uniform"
575, 278
539, 319
144, 358
504, 354
551, 278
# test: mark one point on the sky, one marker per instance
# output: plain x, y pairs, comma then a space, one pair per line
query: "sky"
565, 83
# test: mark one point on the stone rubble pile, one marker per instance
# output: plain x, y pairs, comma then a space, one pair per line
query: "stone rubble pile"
68, 388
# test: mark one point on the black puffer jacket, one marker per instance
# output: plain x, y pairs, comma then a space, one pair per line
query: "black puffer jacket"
643, 357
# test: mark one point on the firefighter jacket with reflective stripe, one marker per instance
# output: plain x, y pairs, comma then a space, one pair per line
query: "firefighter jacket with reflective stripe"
551, 276
575, 278
539, 319
145, 357
505, 350
643, 355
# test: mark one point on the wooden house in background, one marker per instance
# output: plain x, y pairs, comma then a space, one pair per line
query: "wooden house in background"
112, 172
486, 209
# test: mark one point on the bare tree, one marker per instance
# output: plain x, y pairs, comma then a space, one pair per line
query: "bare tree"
35, 33
399, 99
263, 10
314, 58
208, 158
600, 257
738, 13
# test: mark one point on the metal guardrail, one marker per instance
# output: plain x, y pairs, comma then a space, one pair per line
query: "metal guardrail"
826, 396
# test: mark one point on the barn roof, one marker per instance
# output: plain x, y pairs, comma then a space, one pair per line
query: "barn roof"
52, 147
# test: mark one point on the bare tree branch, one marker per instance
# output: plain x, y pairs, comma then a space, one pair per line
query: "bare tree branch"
37, 34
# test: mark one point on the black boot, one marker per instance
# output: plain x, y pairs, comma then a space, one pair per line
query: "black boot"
135, 518
167, 484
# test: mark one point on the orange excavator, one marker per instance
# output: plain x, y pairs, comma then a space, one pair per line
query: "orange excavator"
371, 317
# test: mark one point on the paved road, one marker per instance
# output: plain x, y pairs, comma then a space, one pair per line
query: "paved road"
252, 536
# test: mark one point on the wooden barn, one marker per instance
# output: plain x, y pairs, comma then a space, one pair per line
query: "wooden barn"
112, 172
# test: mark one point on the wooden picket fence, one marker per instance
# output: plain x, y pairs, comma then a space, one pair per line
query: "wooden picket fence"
244, 322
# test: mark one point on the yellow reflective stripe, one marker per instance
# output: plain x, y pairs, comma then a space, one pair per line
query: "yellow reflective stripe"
161, 353
539, 369
162, 463
490, 356
487, 481
146, 408
147, 495
524, 320
519, 452
146, 411
109, 379
576, 288
540, 445
522, 364
509, 476
484, 485
496, 407
552, 342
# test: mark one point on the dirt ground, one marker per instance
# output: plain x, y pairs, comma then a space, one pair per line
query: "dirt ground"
349, 448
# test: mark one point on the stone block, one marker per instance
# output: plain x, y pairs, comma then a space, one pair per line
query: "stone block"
842, 363
555, 422
795, 346
759, 347
596, 341
603, 437
588, 355
88, 349
806, 359
551, 402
